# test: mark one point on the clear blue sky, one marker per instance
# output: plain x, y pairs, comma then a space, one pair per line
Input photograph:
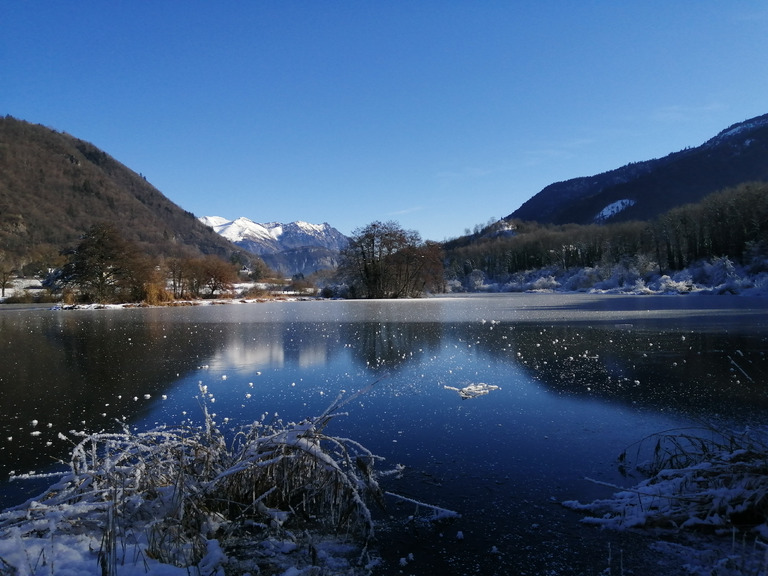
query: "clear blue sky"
439, 115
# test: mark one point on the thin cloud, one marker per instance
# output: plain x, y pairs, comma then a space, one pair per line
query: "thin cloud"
682, 113
562, 150
406, 211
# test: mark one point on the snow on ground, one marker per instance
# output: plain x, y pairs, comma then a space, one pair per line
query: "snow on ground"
76, 555
703, 483
633, 277
613, 208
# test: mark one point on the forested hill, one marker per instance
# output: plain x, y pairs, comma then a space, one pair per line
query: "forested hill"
54, 187
644, 190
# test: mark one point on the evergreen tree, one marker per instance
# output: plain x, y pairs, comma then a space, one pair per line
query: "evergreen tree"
104, 267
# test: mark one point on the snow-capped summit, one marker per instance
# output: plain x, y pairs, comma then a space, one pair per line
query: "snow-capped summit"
293, 248
275, 237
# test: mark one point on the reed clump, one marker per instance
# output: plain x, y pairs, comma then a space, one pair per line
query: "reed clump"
168, 493
706, 479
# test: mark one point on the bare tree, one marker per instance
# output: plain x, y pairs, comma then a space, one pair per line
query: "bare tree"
383, 260
207, 273
7, 270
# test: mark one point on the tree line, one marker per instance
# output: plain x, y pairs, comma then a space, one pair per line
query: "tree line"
732, 223
383, 260
105, 267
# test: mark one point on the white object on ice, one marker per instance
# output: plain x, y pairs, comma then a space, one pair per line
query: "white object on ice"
473, 390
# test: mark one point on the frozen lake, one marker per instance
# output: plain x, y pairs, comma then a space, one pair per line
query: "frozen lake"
572, 380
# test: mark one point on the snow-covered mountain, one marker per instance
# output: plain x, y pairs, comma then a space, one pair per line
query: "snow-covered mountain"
293, 248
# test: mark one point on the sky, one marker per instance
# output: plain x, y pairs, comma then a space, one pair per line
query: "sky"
439, 115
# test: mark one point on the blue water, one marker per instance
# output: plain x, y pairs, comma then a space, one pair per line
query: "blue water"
579, 379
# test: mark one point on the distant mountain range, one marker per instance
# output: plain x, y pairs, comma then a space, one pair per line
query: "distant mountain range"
53, 187
643, 190
291, 249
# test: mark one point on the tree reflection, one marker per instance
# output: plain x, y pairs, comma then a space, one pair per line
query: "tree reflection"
690, 372
62, 371
389, 345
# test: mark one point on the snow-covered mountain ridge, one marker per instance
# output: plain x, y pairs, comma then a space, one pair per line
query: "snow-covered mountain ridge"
275, 237
293, 248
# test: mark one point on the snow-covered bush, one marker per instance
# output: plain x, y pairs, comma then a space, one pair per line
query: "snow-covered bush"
543, 283
712, 273
178, 495
680, 284
621, 277
531, 280
701, 479
759, 285
640, 287
454, 286
632, 275
475, 281
756, 256
582, 279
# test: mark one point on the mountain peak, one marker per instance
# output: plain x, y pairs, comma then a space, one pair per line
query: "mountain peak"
291, 248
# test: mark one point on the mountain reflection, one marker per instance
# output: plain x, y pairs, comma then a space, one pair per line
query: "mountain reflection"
260, 345
370, 345
86, 369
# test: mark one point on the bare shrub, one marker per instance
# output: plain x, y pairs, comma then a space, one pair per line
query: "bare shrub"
169, 490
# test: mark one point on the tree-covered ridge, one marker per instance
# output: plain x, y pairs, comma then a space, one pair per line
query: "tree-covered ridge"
736, 155
54, 187
732, 223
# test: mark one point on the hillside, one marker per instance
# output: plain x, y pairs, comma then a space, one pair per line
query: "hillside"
53, 187
643, 190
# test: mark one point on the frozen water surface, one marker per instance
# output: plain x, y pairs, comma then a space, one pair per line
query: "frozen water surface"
565, 383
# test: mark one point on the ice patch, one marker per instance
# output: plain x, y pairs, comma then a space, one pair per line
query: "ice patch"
473, 390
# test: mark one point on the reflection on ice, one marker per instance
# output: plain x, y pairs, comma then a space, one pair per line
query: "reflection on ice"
563, 386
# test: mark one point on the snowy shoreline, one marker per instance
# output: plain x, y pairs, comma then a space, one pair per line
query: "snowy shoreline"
717, 277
